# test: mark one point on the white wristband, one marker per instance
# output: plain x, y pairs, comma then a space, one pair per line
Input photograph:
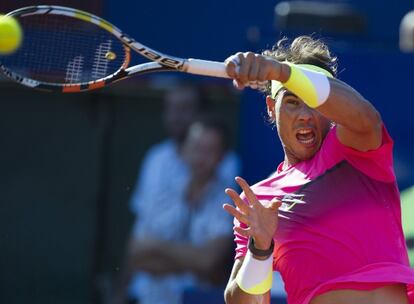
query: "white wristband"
310, 83
255, 276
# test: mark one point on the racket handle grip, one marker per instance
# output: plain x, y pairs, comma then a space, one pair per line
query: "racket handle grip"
216, 69
205, 68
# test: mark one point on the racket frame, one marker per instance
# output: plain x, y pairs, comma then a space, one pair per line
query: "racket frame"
159, 61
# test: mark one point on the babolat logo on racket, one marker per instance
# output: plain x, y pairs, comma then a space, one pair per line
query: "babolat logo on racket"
157, 57
57, 55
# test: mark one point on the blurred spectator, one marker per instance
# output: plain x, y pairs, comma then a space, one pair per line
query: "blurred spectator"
407, 33
407, 205
181, 237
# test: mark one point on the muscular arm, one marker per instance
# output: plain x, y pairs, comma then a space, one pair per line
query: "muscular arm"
234, 295
359, 124
262, 219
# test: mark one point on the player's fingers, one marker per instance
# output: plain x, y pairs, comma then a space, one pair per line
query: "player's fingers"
237, 200
251, 197
232, 65
233, 211
263, 74
236, 213
238, 84
246, 60
275, 204
242, 231
254, 68
230, 69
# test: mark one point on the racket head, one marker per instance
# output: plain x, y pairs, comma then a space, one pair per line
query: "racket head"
66, 50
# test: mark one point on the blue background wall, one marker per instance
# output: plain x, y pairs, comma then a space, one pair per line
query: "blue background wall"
68, 164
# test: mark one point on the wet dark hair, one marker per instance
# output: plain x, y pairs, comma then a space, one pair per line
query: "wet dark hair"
305, 50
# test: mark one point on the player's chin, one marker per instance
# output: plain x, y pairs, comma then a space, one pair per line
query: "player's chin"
306, 151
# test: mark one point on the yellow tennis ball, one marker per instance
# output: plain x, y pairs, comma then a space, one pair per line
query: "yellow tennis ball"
10, 35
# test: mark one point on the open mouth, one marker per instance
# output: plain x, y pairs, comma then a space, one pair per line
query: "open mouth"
306, 136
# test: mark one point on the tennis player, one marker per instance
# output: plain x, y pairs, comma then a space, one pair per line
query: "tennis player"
328, 219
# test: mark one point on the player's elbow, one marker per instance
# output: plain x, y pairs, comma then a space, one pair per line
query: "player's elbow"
372, 120
366, 120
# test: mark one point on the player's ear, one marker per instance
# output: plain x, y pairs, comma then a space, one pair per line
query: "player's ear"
270, 103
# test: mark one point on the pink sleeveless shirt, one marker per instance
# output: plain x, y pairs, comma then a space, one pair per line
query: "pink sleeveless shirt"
339, 224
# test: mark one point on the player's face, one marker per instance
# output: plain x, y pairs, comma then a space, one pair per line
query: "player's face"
301, 129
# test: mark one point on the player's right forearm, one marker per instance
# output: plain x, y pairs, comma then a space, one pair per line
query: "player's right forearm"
234, 295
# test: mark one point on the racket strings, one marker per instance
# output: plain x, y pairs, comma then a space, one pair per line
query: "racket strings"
65, 50
74, 70
100, 62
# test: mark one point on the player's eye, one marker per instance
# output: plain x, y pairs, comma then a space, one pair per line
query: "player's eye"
292, 101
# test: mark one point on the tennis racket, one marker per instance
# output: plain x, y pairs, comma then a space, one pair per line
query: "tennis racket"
69, 50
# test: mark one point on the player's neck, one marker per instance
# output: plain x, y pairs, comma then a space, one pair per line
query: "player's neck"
288, 163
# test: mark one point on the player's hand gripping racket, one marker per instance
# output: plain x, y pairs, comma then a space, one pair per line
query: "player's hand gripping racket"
69, 50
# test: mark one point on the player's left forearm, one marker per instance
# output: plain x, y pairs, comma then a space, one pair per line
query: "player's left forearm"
359, 123
349, 108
